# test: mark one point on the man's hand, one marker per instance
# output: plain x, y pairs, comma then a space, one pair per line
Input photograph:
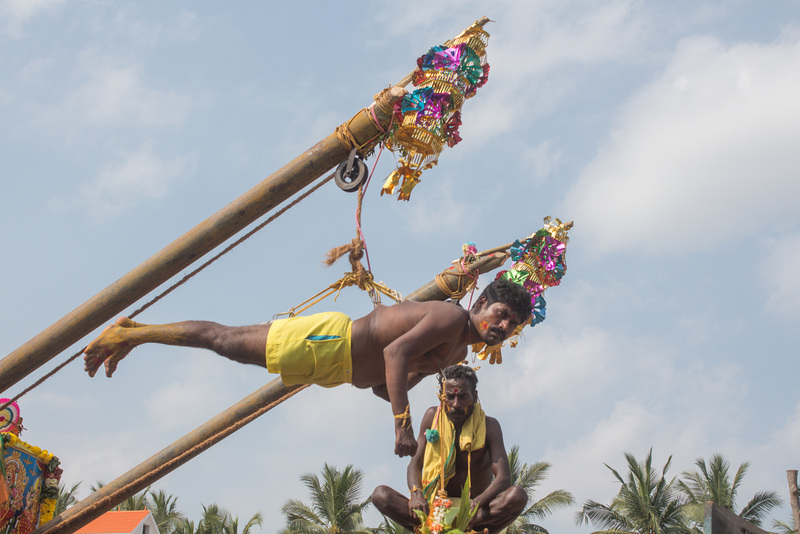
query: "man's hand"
417, 502
475, 503
405, 444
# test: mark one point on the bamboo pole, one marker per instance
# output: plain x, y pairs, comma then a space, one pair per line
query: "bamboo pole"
291, 178
215, 430
433, 291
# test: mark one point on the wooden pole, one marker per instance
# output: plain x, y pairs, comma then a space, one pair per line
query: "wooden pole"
215, 430
432, 290
290, 179
174, 258
794, 498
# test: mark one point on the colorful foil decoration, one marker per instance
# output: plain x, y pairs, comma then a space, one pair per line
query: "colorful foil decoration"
539, 263
30, 477
428, 118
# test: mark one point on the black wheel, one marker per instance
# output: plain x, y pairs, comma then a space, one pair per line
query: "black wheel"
350, 181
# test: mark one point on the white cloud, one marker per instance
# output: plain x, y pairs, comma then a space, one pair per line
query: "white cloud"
531, 47
548, 364
140, 175
543, 159
196, 373
780, 272
115, 94
706, 153
17, 12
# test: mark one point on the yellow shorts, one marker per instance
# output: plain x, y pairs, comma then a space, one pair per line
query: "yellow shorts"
314, 349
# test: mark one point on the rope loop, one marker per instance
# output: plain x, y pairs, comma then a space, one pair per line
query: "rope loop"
464, 281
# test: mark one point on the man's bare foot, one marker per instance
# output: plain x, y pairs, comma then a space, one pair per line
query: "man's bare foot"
110, 347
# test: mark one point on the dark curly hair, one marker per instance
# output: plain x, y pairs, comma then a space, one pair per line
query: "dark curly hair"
513, 295
458, 371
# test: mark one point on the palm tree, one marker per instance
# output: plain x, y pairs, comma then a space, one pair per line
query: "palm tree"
713, 483
646, 503
388, 526
218, 520
783, 528
165, 511
66, 498
335, 505
529, 478
231, 525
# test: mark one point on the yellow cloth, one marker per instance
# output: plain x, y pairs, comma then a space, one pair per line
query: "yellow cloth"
312, 349
472, 438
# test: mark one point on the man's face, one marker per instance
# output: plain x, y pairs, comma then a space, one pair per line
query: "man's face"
459, 399
495, 322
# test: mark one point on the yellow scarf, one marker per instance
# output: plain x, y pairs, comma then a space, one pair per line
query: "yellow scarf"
472, 438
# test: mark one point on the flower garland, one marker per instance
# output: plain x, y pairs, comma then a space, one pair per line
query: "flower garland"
428, 118
539, 263
51, 473
444, 518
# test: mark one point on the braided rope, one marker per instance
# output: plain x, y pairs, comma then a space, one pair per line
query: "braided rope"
465, 281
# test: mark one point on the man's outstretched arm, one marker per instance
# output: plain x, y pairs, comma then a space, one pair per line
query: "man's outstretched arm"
434, 330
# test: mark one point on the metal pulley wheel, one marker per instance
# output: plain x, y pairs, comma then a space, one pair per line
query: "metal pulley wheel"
351, 180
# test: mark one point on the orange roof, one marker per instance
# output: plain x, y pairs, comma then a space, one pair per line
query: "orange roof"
115, 522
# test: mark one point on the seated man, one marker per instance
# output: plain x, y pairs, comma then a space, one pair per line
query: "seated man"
472, 443
389, 350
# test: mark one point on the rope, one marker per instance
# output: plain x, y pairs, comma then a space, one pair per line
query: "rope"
465, 281
179, 283
345, 135
357, 249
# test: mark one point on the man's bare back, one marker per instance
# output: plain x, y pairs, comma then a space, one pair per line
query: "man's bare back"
436, 335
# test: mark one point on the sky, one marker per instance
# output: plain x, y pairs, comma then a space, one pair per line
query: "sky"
667, 131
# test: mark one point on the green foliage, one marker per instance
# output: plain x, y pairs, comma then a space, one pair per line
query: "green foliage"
335, 507
712, 482
647, 503
529, 477
170, 520
218, 520
66, 497
164, 508
783, 528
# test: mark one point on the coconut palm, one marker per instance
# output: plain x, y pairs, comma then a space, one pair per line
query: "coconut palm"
185, 526
783, 528
647, 503
164, 508
218, 520
388, 526
335, 504
529, 478
713, 483
66, 497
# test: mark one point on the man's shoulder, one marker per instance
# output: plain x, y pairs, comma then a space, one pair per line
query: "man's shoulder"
443, 312
492, 426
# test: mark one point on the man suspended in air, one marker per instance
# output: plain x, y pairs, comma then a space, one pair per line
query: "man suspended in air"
389, 350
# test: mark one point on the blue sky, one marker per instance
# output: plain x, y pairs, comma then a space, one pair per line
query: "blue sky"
667, 131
